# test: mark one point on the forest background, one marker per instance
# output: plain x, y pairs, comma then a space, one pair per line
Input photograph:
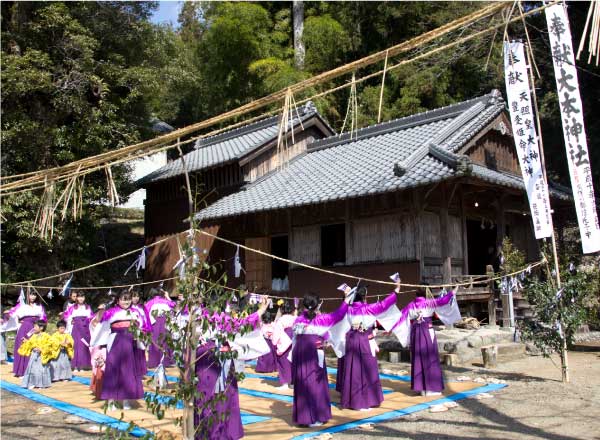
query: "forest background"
82, 78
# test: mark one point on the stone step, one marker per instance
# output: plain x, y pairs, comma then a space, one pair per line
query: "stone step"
510, 351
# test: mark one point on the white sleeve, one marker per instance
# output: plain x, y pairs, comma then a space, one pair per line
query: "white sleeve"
250, 346
337, 336
101, 334
402, 332
389, 318
449, 313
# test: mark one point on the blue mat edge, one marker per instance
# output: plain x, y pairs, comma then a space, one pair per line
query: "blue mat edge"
72, 409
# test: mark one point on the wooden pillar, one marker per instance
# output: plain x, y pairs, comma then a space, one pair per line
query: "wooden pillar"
500, 222
349, 234
445, 244
491, 300
417, 211
465, 242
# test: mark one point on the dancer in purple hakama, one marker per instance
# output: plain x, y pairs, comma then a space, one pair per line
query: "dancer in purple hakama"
140, 354
286, 322
157, 308
268, 362
22, 318
415, 326
360, 385
122, 381
78, 317
221, 418
309, 373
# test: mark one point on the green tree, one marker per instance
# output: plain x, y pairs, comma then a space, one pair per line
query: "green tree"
78, 79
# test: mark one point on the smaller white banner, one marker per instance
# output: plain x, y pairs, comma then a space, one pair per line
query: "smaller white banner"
571, 111
522, 118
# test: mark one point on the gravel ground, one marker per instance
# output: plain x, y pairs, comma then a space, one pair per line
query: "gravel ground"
535, 405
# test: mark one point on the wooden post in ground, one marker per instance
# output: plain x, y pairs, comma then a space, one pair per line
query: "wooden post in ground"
489, 270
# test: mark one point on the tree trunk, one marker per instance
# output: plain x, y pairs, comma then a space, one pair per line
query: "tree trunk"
298, 19
564, 362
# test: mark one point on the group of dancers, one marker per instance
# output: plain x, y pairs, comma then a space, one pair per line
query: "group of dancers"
279, 336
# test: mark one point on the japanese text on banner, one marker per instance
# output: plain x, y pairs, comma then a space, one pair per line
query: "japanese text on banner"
571, 111
526, 139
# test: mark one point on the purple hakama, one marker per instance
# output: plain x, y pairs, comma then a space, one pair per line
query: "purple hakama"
360, 384
267, 363
311, 389
158, 346
208, 419
284, 366
339, 375
20, 362
426, 372
121, 379
81, 352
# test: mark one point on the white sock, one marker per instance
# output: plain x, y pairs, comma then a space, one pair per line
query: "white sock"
126, 404
312, 425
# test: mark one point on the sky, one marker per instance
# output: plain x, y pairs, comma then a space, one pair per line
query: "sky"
167, 12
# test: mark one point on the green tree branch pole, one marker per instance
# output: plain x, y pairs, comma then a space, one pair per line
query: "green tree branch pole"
564, 360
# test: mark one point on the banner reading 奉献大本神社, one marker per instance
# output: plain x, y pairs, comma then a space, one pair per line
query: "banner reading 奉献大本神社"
526, 140
571, 112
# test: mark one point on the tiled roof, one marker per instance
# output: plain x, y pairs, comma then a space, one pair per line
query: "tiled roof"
396, 155
228, 146
512, 181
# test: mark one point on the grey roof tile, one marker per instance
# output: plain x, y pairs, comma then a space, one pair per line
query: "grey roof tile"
339, 168
228, 146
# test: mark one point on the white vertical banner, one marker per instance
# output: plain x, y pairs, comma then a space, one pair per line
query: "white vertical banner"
526, 140
571, 111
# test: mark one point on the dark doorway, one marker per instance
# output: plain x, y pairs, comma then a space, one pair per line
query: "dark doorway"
481, 243
279, 247
333, 245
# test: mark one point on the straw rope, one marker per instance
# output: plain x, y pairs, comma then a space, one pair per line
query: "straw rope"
484, 279
370, 280
33, 183
37, 183
89, 266
147, 146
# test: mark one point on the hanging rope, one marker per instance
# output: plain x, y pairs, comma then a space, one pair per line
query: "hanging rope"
370, 280
594, 42
34, 180
149, 147
352, 110
382, 87
266, 254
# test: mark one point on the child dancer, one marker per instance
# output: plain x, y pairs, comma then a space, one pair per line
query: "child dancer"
23, 317
311, 391
37, 350
62, 353
122, 381
360, 386
98, 354
415, 326
78, 317
157, 308
141, 354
